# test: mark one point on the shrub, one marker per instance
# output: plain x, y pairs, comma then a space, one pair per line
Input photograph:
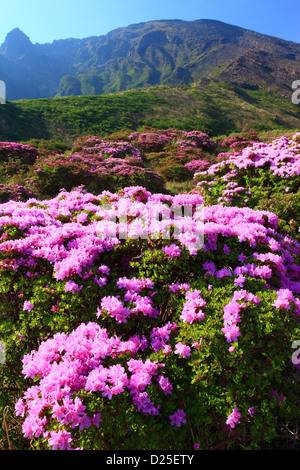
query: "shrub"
97, 164
138, 334
11, 150
259, 176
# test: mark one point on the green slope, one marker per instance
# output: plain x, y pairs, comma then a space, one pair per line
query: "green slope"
214, 106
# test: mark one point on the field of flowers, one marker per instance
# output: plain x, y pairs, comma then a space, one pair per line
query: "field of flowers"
137, 319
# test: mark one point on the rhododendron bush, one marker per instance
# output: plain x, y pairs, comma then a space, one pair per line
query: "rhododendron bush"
140, 320
95, 163
259, 176
149, 158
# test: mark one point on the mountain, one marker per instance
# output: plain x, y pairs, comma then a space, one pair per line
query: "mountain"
166, 52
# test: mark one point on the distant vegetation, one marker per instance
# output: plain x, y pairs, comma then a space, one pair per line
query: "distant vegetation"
218, 108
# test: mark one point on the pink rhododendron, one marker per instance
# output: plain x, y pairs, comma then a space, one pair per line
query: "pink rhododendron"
172, 250
182, 350
28, 305
234, 418
68, 240
178, 418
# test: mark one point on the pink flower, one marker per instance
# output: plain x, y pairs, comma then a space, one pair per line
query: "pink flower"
182, 350
178, 418
239, 281
281, 397
115, 308
172, 250
231, 332
20, 407
226, 249
27, 305
234, 418
60, 440
167, 349
72, 286
242, 257
164, 384
96, 419
197, 345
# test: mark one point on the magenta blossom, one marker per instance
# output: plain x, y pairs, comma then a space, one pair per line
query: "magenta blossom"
182, 350
27, 305
178, 418
234, 418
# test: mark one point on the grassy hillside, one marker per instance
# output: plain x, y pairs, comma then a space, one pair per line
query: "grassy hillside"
213, 106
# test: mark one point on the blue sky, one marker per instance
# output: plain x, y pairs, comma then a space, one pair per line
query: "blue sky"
59, 19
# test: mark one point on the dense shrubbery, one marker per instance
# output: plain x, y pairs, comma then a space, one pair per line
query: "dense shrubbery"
259, 176
92, 162
175, 154
146, 342
148, 158
98, 165
134, 319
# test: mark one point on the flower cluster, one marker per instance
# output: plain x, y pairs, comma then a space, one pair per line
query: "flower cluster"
113, 306
10, 150
150, 141
234, 418
192, 307
156, 140
232, 314
197, 165
241, 141
278, 159
67, 364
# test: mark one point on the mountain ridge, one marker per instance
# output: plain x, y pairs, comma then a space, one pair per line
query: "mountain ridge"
170, 52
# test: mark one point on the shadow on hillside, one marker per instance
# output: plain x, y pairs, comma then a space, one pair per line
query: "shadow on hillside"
17, 123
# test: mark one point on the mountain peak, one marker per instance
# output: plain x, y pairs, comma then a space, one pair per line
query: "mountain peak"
16, 43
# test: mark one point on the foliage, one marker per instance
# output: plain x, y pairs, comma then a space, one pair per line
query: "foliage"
149, 157
216, 107
122, 333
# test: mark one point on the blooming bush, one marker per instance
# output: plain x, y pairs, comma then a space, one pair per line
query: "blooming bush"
258, 176
13, 191
148, 158
140, 320
12, 150
240, 141
96, 164
150, 141
175, 154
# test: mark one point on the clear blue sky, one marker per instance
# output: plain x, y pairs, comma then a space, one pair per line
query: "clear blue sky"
45, 21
